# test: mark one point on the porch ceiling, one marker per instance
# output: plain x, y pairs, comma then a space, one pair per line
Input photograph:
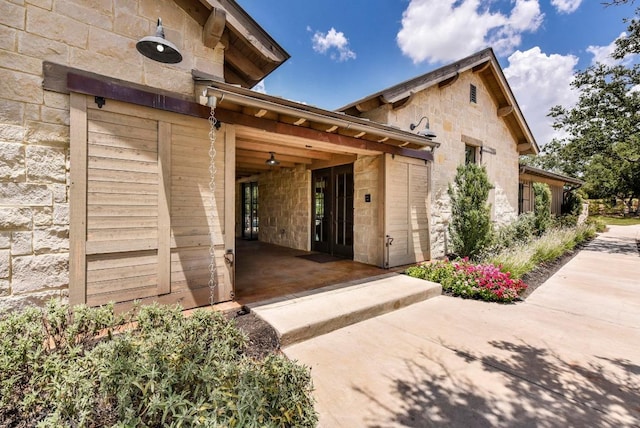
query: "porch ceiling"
253, 148
302, 134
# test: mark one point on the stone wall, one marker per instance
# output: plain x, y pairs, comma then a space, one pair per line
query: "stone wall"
285, 207
367, 228
455, 119
93, 35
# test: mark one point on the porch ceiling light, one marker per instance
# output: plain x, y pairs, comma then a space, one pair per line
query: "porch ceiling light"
272, 161
158, 48
426, 132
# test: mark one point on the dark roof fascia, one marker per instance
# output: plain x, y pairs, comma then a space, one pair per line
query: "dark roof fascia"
400, 133
427, 80
526, 169
422, 82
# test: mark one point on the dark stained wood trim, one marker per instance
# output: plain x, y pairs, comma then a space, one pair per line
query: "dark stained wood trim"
95, 85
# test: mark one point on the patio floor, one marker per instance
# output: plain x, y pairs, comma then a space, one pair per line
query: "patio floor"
266, 271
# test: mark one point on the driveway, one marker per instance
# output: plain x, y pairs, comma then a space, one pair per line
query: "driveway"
567, 356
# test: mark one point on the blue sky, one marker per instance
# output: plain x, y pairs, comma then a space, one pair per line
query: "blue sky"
344, 50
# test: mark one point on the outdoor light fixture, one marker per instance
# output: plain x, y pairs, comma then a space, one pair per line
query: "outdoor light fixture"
158, 48
426, 132
272, 161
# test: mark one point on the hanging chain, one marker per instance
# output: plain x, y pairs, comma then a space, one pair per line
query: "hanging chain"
213, 269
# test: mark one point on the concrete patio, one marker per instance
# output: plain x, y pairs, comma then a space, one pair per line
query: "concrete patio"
567, 356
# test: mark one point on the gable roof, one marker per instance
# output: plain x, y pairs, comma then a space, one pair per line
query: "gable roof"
250, 52
486, 65
537, 172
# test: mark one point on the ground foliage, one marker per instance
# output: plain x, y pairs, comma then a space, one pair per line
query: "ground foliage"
152, 367
471, 281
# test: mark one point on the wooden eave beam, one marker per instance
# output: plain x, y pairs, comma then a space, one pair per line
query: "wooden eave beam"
504, 111
403, 102
449, 81
241, 62
214, 27
368, 105
101, 86
255, 145
481, 67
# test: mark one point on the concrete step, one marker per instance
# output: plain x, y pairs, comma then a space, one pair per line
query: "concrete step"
312, 314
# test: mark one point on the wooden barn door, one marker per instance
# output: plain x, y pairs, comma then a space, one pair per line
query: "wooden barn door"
406, 210
142, 212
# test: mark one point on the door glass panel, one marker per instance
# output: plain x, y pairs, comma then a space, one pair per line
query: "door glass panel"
250, 210
321, 215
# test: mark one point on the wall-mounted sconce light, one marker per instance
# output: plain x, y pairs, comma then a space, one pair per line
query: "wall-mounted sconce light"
426, 132
158, 48
272, 161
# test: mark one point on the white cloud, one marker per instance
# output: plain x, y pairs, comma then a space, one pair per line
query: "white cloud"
566, 6
602, 54
260, 87
446, 30
334, 42
539, 82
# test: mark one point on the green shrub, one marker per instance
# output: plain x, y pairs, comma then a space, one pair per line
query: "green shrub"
542, 207
598, 223
163, 370
510, 235
470, 227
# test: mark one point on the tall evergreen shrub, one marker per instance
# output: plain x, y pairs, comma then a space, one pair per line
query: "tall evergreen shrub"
470, 226
542, 207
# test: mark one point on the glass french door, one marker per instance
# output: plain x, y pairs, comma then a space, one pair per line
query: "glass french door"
250, 211
332, 220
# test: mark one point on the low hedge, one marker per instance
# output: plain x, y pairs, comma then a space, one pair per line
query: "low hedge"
151, 367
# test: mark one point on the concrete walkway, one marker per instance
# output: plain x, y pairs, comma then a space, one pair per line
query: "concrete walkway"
568, 356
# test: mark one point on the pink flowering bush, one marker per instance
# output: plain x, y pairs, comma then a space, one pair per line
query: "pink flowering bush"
465, 279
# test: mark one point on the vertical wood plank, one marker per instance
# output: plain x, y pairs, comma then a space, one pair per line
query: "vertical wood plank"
78, 200
164, 208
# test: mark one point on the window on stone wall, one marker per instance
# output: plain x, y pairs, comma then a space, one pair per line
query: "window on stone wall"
473, 94
470, 154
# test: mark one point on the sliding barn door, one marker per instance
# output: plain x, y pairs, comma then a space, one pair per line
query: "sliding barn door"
143, 212
406, 210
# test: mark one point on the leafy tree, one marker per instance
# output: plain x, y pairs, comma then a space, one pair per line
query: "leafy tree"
541, 207
603, 143
470, 226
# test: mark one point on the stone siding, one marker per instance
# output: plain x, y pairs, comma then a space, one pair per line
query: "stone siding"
454, 118
285, 207
93, 35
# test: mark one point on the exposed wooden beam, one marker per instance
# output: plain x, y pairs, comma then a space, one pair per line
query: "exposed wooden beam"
324, 127
503, 111
481, 67
281, 155
368, 105
243, 63
253, 111
195, 9
523, 147
403, 102
261, 146
449, 81
96, 85
250, 161
292, 120
214, 27
335, 160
